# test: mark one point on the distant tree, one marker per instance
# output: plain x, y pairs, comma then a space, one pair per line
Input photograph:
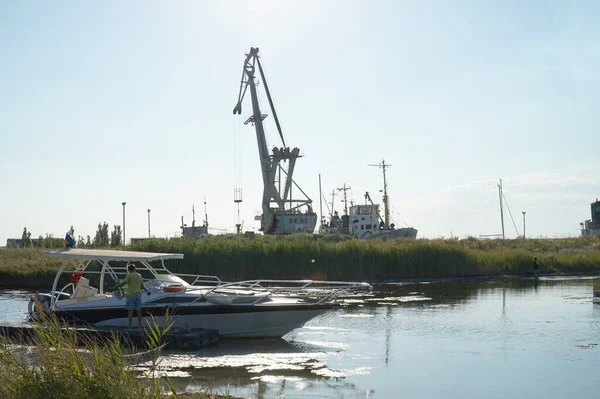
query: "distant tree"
52, 242
40, 241
101, 240
80, 242
26, 238
88, 242
115, 236
71, 232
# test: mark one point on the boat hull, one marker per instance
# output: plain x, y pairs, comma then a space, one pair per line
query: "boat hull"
235, 321
404, 232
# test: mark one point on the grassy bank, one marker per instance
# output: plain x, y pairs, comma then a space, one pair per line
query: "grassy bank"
27, 268
336, 258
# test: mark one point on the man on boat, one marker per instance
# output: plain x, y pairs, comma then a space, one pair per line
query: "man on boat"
134, 294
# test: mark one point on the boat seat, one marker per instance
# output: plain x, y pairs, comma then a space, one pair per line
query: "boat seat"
83, 289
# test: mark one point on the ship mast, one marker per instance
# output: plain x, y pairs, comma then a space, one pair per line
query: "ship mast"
386, 207
345, 189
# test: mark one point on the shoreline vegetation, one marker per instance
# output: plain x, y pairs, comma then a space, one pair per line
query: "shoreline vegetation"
335, 257
53, 361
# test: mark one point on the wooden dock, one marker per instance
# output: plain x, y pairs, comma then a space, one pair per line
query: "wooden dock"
175, 339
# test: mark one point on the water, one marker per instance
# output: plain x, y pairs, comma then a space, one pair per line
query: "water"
481, 339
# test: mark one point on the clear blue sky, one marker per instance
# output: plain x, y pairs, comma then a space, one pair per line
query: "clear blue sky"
105, 101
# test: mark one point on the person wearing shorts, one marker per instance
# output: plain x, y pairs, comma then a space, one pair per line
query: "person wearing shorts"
133, 295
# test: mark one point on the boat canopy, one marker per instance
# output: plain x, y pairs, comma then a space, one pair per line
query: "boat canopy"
109, 255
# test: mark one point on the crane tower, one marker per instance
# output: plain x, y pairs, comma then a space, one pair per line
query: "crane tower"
283, 211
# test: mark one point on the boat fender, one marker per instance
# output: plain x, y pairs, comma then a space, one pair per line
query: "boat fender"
173, 288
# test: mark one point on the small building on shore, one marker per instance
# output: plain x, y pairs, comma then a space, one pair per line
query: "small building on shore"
591, 227
18, 242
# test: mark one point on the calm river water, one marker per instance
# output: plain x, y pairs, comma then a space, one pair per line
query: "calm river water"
505, 338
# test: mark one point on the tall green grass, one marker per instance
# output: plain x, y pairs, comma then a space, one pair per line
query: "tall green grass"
338, 257
26, 268
64, 363
57, 363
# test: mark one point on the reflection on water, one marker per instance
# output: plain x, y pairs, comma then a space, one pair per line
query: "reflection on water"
490, 338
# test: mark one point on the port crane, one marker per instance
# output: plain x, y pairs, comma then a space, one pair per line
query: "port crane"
281, 212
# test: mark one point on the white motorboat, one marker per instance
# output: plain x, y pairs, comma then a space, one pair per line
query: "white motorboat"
252, 308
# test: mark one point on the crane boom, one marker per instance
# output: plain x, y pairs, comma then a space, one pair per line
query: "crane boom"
281, 213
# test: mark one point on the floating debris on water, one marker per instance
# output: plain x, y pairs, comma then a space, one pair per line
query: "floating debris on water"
586, 346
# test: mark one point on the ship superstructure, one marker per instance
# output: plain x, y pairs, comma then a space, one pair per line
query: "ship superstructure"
591, 227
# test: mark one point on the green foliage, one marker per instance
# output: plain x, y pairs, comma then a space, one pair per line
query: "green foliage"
61, 363
101, 240
26, 238
155, 334
66, 363
115, 236
50, 242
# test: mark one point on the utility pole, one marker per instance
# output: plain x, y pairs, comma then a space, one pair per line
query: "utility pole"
123, 203
523, 224
148, 223
501, 210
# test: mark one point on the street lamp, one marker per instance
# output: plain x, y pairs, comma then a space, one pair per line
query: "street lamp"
123, 203
523, 224
148, 223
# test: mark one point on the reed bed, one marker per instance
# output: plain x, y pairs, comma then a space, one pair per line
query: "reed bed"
337, 257
342, 258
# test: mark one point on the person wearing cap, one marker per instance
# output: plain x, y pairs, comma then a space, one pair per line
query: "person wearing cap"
133, 294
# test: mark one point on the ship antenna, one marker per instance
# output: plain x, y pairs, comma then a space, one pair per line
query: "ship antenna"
193, 215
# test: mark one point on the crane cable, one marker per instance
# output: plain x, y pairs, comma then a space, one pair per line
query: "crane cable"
272, 101
510, 213
237, 159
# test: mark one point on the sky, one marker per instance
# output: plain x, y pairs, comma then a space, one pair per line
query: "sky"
104, 102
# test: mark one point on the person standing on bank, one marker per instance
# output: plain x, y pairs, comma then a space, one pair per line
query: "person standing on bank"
535, 266
133, 294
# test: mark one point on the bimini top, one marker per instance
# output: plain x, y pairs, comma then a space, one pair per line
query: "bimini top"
109, 255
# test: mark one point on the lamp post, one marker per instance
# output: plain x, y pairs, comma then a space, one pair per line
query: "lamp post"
123, 203
523, 224
148, 223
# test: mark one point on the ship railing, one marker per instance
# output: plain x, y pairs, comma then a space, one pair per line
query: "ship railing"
316, 291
